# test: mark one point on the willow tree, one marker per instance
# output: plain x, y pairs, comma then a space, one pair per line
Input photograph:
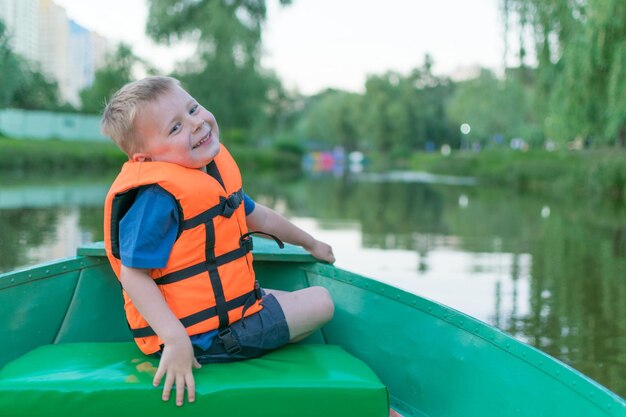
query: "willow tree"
580, 52
224, 74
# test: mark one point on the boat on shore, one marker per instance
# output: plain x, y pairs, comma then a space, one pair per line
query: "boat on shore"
431, 359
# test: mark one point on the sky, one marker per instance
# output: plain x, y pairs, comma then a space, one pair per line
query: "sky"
316, 44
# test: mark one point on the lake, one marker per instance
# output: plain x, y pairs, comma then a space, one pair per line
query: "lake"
550, 272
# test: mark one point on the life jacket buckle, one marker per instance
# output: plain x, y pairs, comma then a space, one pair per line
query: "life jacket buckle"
258, 293
246, 243
230, 343
230, 204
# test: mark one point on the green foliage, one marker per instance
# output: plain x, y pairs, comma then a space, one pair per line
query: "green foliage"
492, 106
329, 119
581, 55
273, 159
53, 156
596, 175
37, 92
289, 147
117, 71
224, 73
9, 68
221, 24
395, 116
236, 95
49, 157
24, 86
616, 105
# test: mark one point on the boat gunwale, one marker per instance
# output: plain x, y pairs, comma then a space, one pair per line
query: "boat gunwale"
263, 250
568, 376
47, 270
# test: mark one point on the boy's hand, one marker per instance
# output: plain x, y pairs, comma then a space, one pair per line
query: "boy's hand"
321, 251
176, 364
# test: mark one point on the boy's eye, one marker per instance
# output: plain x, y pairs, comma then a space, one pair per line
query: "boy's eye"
193, 109
175, 128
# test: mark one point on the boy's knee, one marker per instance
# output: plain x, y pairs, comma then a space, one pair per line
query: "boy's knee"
326, 305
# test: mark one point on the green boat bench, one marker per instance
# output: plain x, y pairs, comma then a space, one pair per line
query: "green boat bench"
115, 379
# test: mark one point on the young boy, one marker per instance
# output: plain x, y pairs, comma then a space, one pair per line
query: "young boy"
176, 234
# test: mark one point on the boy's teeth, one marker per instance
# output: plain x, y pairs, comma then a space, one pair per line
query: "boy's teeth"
199, 143
203, 140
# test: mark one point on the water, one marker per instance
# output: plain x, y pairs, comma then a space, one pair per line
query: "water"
550, 273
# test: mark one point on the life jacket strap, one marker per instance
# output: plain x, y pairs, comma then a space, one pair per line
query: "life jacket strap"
240, 252
230, 204
198, 317
257, 294
246, 236
226, 207
230, 343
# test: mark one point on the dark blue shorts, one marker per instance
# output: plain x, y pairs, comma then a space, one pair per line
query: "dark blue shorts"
256, 335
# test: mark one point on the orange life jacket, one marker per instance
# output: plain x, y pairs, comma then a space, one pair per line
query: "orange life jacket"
208, 281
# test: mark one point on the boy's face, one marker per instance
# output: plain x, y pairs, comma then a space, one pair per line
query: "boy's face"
175, 128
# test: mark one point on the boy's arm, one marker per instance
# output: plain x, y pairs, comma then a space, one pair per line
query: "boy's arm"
177, 359
264, 219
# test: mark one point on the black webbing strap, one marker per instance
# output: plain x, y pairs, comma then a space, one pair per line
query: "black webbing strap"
258, 294
246, 236
202, 266
212, 170
214, 276
226, 207
200, 316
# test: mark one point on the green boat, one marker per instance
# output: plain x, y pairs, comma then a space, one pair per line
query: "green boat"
66, 350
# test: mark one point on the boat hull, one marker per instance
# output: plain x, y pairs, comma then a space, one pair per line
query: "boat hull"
435, 360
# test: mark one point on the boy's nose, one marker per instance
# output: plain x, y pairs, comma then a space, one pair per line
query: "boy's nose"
197, 124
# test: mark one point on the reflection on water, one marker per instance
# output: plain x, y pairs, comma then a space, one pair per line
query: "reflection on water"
549, 273
45, 221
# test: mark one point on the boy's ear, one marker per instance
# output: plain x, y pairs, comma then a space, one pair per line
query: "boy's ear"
141, 157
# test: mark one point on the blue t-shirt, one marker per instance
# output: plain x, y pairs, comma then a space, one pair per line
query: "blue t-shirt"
149, 229
148, 232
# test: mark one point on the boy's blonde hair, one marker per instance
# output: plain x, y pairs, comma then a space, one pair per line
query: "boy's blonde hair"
118, 118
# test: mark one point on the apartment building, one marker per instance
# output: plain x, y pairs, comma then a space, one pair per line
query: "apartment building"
41, 32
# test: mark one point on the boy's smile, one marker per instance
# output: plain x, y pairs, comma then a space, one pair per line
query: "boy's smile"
175, 128
206, 138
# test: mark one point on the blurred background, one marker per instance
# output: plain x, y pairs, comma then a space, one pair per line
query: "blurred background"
471, 152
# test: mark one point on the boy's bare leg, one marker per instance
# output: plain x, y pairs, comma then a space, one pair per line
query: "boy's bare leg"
305, 310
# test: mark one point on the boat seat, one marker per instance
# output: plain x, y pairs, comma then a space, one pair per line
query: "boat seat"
115, 379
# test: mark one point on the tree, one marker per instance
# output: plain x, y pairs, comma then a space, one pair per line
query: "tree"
10, 68
224, 73
117, 71
331, 118
581, 65
404, 114
37, 92
495, 107
398, 114
23, 85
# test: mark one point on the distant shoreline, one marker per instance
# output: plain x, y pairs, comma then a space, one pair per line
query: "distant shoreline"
596, 174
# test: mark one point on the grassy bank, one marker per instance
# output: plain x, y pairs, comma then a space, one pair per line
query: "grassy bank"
50, 157
590, 174
56, 156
